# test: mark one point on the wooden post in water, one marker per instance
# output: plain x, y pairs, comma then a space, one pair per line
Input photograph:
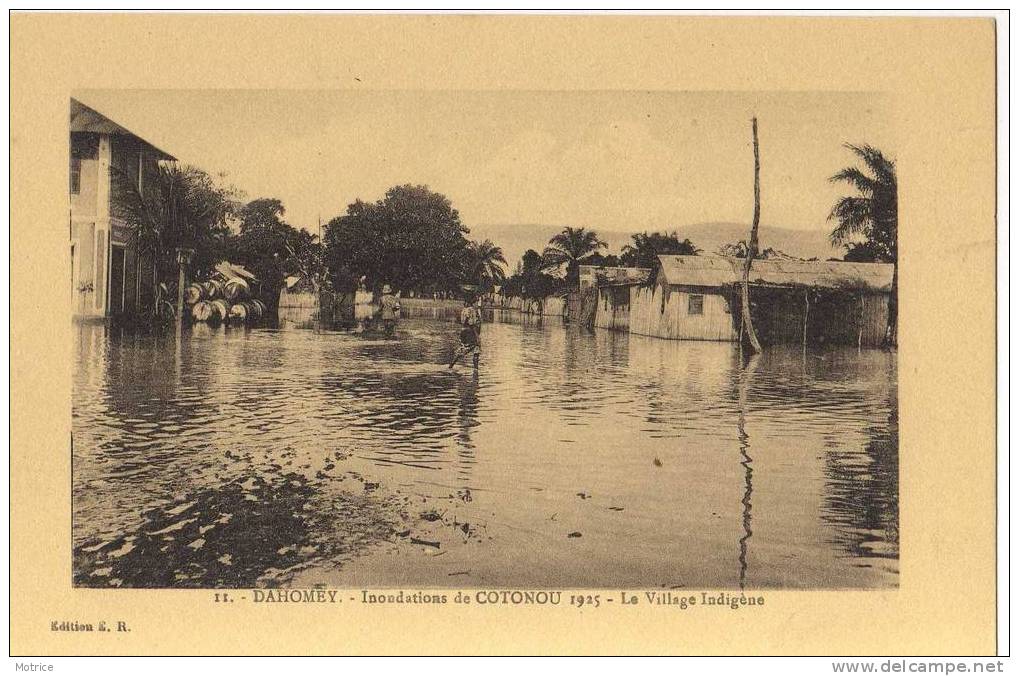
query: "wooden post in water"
806, 313
859, 335
755, 345
183, 260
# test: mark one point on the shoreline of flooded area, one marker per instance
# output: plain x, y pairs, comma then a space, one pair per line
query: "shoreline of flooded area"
265, 457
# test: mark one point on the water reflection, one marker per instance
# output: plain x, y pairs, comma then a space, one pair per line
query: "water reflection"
627, 440
747, 462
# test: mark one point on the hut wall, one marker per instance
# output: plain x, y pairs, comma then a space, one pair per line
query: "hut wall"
665, 312
848, 320
613, 308
423, 302
875, 319
553, 306
835, 317
298, 308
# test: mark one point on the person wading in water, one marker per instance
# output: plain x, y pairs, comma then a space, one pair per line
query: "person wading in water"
362, 306
470, 333
389, 310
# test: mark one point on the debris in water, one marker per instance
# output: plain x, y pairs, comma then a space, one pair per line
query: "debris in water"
123, 550
173, 527
180, 508
428, 543
431, 515
96, 548
574, 534
583, 496
657, 462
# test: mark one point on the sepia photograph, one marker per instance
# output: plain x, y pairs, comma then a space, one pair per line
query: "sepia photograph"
483, 339
530, 333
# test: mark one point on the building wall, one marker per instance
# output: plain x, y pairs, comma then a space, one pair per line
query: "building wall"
97, 225
665, 312
90, 226
614, 308
550, 306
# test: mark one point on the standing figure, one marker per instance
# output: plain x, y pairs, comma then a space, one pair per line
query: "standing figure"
470, 333
389, 310
362, 305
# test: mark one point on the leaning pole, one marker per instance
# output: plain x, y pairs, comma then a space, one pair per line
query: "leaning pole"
755, 345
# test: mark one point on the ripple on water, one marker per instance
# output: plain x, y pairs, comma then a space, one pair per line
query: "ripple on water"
659, 430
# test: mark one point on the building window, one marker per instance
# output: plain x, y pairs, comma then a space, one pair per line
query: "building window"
695, 306
75, 175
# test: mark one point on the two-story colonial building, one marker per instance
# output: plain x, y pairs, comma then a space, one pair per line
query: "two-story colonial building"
109, 277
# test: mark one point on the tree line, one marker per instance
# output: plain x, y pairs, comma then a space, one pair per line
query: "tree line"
414, 239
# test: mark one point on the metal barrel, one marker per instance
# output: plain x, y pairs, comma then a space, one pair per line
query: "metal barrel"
220, 310
236, 289
194, 293
239, 313
201, 311
213, 290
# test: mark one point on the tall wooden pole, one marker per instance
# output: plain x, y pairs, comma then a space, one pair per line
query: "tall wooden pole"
180, 291
755, 345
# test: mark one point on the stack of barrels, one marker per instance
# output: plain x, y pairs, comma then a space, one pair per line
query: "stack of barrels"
226, 301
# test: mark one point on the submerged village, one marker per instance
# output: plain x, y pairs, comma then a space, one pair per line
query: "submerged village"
260, 405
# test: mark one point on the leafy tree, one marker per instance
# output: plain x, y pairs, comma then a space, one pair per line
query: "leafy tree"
872, 216
571, 248
602, 261
271, 249
863, 252
412, 238
531, 262
530, 281
646, 248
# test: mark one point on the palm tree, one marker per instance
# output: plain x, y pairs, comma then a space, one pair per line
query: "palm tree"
571, 247
488, 264
180, 208
873, 216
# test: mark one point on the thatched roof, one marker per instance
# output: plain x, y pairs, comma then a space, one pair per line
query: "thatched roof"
717, 271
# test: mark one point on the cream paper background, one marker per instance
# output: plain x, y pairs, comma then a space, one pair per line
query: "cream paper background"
940, 76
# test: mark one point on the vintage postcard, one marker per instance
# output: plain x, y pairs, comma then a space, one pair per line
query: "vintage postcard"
588, 334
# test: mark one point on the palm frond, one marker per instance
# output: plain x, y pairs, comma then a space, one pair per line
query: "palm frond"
857, 179
854, 218
883, 168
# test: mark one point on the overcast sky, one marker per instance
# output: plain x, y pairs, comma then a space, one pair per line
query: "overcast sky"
612, 161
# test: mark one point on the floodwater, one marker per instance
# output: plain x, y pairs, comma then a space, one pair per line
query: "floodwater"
240, 457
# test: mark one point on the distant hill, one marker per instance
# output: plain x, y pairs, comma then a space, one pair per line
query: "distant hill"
799, 243
516, 239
